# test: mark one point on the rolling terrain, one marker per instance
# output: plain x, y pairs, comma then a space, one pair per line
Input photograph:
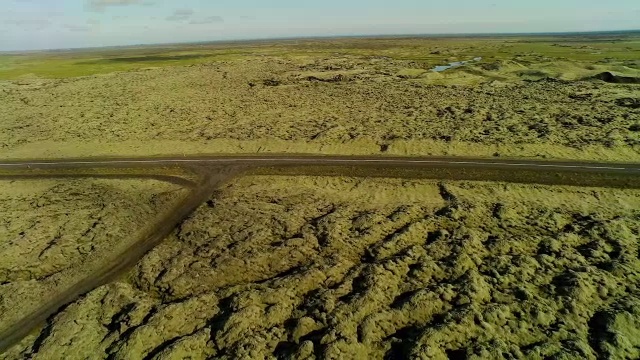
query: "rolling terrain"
323, 198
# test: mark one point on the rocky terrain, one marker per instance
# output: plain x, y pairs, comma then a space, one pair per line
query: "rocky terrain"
308, 267
344, 104
53, 232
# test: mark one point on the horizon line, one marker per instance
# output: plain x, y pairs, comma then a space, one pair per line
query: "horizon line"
311, 37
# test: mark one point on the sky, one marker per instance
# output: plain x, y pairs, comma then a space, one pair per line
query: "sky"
57, 24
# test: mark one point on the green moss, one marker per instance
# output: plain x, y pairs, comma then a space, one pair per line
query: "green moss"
339, 268
431, 51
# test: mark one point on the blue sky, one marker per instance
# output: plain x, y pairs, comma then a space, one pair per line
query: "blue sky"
47, 24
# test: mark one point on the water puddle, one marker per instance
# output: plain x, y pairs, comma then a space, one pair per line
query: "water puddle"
454, 65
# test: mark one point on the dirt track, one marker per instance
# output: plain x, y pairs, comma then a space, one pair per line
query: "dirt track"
614, 175
120, 262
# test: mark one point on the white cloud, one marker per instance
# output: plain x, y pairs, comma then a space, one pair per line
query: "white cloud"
207, 20
77, 28
37, 24
101, 5
180, 15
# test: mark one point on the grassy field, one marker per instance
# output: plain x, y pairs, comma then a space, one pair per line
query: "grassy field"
297, 267
606, 48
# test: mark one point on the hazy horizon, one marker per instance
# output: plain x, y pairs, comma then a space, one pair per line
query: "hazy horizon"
44, 25
338, 36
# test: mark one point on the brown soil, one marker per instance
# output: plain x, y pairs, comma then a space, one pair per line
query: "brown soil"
277, 267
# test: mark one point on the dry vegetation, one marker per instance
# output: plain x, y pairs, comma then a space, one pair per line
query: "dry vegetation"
54, 232
342, 268
525, 98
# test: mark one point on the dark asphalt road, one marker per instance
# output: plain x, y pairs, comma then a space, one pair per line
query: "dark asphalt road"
311, 160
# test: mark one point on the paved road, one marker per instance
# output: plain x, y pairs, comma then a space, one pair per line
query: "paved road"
222, 168
279, 160
620, 175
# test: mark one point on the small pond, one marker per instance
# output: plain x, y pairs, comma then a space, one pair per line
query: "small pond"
452, 65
